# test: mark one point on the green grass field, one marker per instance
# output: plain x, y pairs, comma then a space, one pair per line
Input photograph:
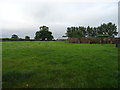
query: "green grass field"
58, 64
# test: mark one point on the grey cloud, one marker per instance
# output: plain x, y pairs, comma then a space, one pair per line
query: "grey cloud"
57, 15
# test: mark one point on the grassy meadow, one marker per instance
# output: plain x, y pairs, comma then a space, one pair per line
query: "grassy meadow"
58, 64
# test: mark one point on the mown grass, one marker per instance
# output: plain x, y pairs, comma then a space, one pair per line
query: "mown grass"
58, 64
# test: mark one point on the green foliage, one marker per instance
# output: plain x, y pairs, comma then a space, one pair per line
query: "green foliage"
16, 39
76, 32
14, 36
103, 36
94, 41
5, 39
27, 37
43, 34
104, 30
108, 29
57, 64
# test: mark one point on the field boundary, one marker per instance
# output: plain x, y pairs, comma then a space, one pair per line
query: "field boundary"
94, 40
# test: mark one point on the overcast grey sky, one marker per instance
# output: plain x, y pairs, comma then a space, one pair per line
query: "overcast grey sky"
24, 17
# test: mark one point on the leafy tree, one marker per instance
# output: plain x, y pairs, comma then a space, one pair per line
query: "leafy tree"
89, 31
27, 37
14, 36
108, 29
94, 32
82, 31
111, 29
76, 32
69, 32
105, 30
43, 34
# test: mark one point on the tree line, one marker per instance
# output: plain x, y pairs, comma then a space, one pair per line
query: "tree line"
41, 35
16, 38
104, 30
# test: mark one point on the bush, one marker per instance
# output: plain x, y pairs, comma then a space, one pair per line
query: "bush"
103, 36
94, 42
15, 39
5, 39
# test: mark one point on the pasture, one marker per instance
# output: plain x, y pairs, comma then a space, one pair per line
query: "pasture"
58, 64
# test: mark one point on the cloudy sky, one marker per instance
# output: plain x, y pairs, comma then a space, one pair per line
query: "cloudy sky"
24, 17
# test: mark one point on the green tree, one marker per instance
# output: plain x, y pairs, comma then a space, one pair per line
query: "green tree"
43, 34
105, 30
14, 36
27, 37
82, 31
94, 32
69, 32
108, 29
89, 31
76, 32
